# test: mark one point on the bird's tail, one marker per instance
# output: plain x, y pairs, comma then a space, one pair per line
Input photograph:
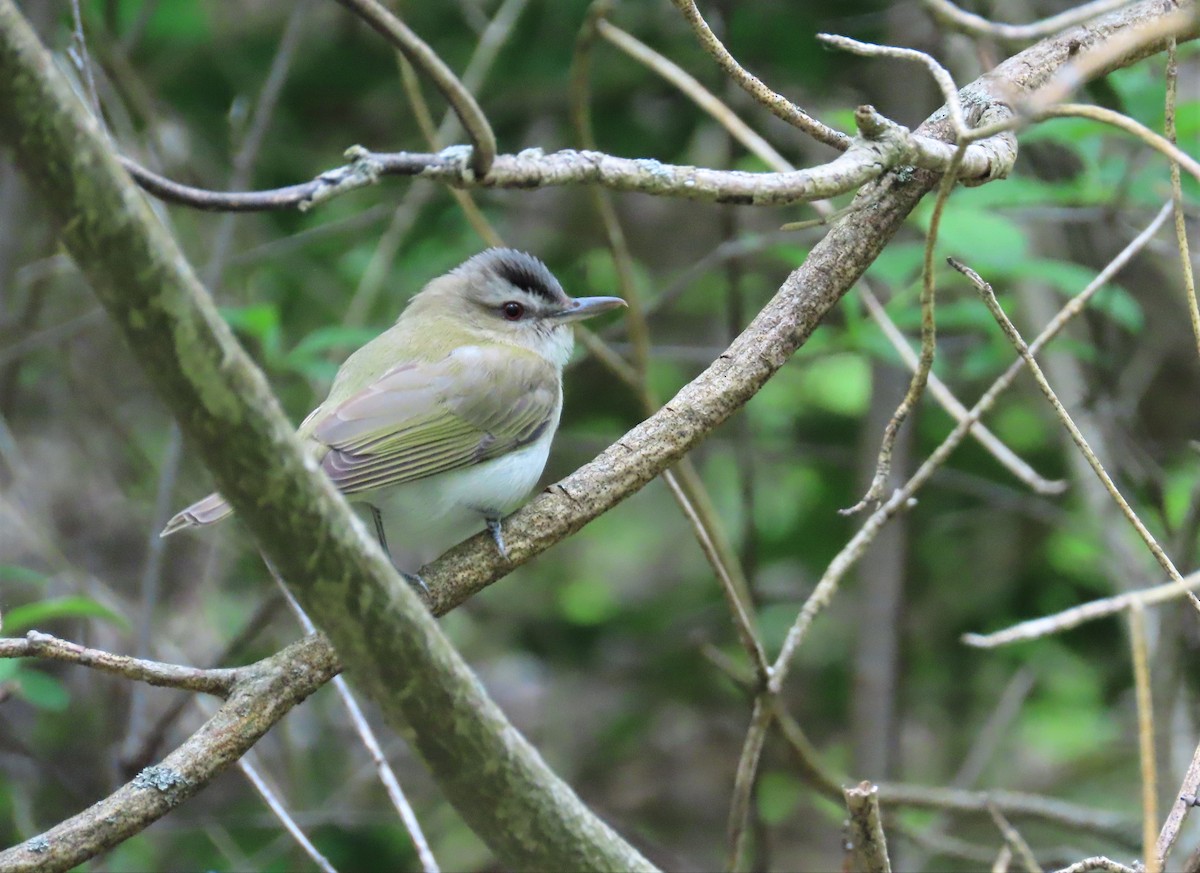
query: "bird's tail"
211, 509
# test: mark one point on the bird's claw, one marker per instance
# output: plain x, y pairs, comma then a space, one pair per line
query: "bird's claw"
494, 528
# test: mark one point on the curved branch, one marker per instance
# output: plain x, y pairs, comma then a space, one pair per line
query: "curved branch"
421, 56
262, 694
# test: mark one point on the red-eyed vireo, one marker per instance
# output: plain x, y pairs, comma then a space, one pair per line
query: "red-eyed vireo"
442, 424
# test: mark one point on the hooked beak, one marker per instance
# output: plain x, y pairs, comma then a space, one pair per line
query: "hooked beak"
585, 307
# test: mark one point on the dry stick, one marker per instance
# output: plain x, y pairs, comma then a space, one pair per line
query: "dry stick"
1145, 721
427, 60
865, 838
741, 619
744, 779
827, 585
36, 644
1185, 800
260, 695
1178, 157
941, 76
698, 94
256, 131
383, 257
974, 25
1014, 337
759, 147
1014, 841
779, 105
941, 392
382, 768
916, 387
405, 215
1185, 258
1003, 859
280, 812
1085, 612
1089, 64
685, 483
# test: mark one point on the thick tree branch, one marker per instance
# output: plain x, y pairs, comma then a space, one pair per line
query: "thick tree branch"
383, 633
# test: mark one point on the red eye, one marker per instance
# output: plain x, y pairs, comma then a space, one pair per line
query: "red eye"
512, 310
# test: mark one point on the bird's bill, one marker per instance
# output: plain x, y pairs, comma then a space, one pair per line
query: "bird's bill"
585, 307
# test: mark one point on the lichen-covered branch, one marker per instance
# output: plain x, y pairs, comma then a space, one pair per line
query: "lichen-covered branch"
383, 633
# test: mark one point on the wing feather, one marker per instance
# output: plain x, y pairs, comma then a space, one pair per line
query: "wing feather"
421, 419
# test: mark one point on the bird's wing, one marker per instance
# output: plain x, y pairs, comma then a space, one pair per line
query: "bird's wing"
420, 419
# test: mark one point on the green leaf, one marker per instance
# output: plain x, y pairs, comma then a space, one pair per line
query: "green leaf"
9, 668
43, 690
587, 601
23, 618
778, 796
15, 573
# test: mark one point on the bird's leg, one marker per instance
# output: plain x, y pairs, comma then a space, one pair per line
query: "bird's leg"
377, 516
412, 579
493, 526
415, 580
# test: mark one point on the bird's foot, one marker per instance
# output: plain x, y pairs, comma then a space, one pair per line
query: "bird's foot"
494, 528
415, 580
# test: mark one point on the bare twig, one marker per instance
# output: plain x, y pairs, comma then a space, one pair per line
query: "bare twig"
1185, 801
941, 76
698, 94
250, 771
916, 387
975, 25
1015, 842
426, 59
1145, 721
941, 392
1181, 237
383, 769
1010, 330
743, 784
779, 105
1098, 864
39, 645
865, 838
258, 697
1077, 615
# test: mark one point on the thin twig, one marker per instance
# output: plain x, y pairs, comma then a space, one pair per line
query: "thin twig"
1085, 612
975, 25
427, 60
942, 393
779, 105
382, 768
1010, 331
1013, 839
1181, 237
916, 386
280, 812
865, 838
827, 585
1145, 721
941, 76
743, 783
697, 93
1098, 864
36, 644
1185, 801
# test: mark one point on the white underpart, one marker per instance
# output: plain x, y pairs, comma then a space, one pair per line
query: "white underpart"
423, 519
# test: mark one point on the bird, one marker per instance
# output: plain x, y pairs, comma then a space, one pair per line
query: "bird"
441, 425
